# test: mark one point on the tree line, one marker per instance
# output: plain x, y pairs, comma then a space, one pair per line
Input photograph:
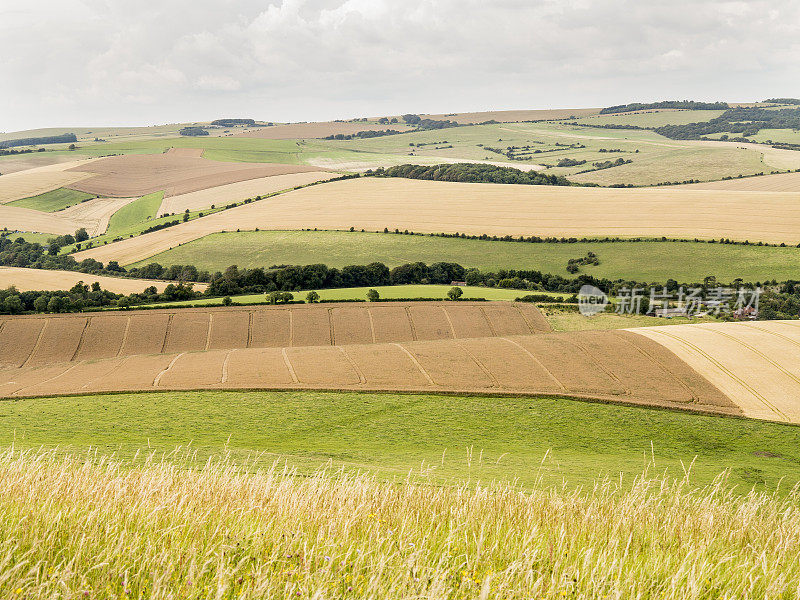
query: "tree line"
65, 138
674, 104
471, 173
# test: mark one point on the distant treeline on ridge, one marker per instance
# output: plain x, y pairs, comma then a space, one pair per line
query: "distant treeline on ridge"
680, 104
34, 141
233, 122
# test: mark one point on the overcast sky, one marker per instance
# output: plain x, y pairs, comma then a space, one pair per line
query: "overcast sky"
142, 62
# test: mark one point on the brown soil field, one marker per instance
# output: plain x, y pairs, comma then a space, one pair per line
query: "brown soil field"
102, 335
616, 366
433, 206
176, 172
512, 116
41, 279
236, 192
32, 182
781, 182
293, 131
754, 364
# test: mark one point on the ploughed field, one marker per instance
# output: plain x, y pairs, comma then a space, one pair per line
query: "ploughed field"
478, 347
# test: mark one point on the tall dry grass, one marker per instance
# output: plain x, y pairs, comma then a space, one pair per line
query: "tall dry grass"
95, 527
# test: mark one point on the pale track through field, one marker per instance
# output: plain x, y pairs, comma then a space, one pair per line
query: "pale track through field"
493, 209
755, 364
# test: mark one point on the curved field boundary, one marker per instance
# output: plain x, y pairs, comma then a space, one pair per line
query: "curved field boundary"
236, 192
117, 334
612, 369
41, 279
476, 208
754, 364
32, 182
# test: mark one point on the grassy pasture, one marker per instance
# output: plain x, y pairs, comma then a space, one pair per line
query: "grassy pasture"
655, 118
89, 523
390, 434
133, 214
54, 200
640, 261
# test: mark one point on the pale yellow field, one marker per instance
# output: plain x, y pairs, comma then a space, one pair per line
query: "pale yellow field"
32, 182
41, 279
494, 209
235, 192
16, 218
782, 182
754, 364
94, 214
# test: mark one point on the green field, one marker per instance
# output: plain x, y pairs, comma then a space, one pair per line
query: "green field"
53, 200
640, 261
653, 118
32, 238
386, 292
394, 434
138, 211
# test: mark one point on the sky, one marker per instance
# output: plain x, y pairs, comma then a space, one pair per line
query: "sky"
123, 62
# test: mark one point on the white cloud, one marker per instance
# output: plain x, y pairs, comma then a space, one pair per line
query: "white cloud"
115, 61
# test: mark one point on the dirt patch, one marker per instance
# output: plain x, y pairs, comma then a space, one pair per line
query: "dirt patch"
32, 182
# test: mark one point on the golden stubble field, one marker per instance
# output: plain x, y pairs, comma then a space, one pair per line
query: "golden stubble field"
504, 348
493, 209
754, 364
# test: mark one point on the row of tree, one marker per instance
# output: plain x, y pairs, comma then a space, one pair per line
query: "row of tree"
40, 141
672, 104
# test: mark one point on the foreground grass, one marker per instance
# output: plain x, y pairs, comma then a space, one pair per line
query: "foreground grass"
92, 527
53, 200
448, 438
639, 261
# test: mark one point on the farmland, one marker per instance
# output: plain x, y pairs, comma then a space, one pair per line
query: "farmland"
53, 200
392, 434
493, 209
41, 279
639, 261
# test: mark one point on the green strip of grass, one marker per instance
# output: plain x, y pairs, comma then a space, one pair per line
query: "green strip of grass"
392, 434
134, 213
640, 261
53, 200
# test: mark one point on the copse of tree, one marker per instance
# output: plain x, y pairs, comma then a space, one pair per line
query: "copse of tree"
362, 134
679, 104
40, 141
747, 121
193, 131
471, 173
233, 122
